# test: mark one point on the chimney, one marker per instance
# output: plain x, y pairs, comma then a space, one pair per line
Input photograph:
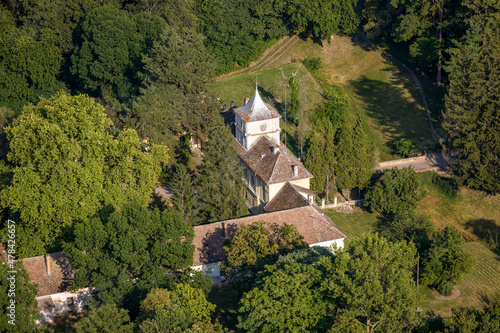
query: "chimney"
275, 150
295, 169
47, 264
245, 102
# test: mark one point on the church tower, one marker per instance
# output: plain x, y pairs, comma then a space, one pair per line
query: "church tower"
256, 119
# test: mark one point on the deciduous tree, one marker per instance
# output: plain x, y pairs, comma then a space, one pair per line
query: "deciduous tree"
66, 166
107, 318
395, 192
18, 306
372, 282
446, 263
254, 246
128, 252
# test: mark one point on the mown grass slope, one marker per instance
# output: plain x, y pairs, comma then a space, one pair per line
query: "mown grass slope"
377, 88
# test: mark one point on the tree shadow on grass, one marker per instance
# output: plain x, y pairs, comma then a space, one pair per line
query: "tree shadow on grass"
487, 231
392, 113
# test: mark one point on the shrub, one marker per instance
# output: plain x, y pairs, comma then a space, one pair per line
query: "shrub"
313, 63
404, 147
446, 186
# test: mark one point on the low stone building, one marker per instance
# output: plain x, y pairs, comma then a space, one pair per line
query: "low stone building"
318, 230
53, 274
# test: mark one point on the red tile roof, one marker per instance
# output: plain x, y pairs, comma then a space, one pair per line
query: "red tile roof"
311, 222
286, 198
61, 273
272, 162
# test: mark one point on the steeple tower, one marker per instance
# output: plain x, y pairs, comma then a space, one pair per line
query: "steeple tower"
255, 119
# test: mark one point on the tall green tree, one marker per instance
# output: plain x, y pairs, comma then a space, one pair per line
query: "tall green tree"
29, 62
472, 112
128, 252
108, 51
446, 263
185, 198
287, 296
220, 181
66, 166
372, 282
320, 158
18, 306
254, 246
353, 157
283, 300
323, 18
177, 70
107, 318
396, 192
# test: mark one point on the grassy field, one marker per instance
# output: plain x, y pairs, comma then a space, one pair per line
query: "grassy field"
377, 88
475, 215
272, 87
477, 286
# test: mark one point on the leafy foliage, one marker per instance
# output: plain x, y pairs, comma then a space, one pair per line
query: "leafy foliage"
371, 281
410, 226
126, 253
185, 198
447, 262
17, 287
252, 247
472, 114
396, 192
353, 156
29, 63
107, 318
283, 300
404, 147
66, 166
320, 158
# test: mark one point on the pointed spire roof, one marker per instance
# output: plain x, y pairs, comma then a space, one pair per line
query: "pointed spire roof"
256, 109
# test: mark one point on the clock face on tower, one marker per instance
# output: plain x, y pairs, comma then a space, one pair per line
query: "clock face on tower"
263, 127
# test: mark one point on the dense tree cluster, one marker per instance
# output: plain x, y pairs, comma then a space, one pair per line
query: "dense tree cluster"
366, 287
340, 154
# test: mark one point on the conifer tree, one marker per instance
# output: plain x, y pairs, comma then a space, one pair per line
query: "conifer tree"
472, 116
185, 197
320, 159
353, 157
220, 181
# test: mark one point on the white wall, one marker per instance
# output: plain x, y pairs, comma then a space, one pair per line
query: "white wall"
61, 305
213, 269
328, 244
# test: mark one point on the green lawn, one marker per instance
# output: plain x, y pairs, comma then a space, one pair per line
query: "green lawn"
354, 224
378, 89
482, 282
272, 87
475, 214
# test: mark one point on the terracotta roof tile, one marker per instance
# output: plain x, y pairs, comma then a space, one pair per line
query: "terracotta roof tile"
286, 198
272, 161
61, 273
311, 222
